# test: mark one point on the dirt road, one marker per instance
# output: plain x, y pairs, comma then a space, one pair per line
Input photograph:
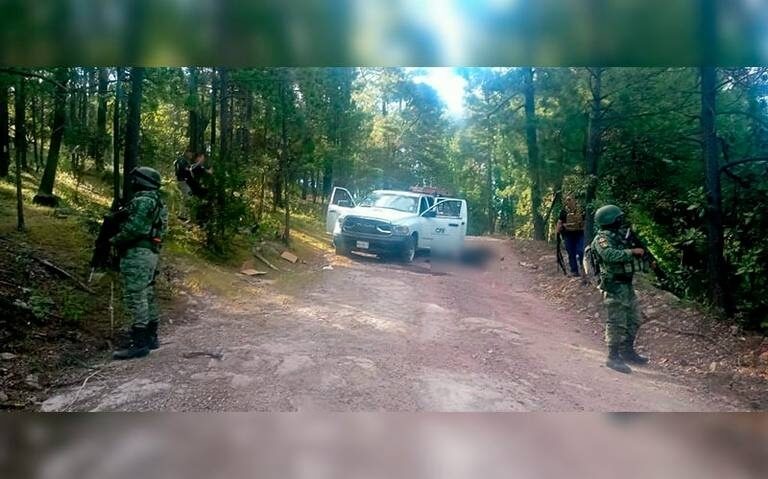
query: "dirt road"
373, 336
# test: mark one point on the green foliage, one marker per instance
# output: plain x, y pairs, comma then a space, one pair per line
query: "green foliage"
41, 305
73, 307
747, 246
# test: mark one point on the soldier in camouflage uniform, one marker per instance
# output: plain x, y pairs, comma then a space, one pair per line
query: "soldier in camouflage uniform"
139, 241
618, 263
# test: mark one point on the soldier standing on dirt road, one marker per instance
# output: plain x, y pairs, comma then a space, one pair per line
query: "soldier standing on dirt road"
618, 263
139, 241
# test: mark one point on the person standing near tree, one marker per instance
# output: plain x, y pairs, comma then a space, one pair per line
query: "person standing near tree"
618, 262
570, 224
139, 239
199, 176
182, 167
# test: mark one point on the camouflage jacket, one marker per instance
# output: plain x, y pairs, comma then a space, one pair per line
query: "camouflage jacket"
146, 219
617, 264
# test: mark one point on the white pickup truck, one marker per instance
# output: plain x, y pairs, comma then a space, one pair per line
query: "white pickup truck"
396, 223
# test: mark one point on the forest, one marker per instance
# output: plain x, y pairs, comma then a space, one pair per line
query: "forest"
684, 151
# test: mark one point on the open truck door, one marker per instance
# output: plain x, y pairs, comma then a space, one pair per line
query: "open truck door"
445, 226
341, 202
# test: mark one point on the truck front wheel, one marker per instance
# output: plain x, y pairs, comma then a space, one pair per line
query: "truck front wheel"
409, 250
342, 249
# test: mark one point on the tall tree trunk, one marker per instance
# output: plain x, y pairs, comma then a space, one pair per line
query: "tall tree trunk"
20, 138
316, 185
193, 103
223, 163
286, 237
225, 128
133, 123
82, 103
594, 148
35, 132
247, 141
344, 167
44, 194
72, 115
262, 196
117, 136
277, 185
5, 150
327, 175
214, 100
278, 182
231, 131
41, 130
557, 199
716, 266
21, 152
101, 120
90, 92
490, 210
19, 197
534, 163
284, 159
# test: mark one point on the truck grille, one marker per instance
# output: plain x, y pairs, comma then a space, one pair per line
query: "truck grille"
355, 224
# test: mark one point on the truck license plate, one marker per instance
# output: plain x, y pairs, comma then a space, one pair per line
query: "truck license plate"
362, 244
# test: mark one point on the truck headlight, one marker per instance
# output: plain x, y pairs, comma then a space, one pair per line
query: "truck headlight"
400, 230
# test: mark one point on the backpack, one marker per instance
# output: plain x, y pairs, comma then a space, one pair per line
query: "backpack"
591, 264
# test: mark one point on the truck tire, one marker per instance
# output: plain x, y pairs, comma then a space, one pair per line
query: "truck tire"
409, 250
342, 249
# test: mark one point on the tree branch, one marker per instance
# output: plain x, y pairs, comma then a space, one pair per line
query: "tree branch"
758, 159
27, 74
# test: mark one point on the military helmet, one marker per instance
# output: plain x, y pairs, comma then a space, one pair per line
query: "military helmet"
146, 177
608, 215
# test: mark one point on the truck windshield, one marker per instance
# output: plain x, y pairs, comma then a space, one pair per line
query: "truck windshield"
409, 204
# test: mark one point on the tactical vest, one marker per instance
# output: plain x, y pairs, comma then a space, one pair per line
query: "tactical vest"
617, 272
154, 240
574, 220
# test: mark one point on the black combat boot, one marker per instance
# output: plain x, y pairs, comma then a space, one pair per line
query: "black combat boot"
615, 362
152, 341
628, 353
138, 347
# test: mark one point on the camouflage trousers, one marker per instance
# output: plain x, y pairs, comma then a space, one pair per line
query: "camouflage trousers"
138, 268
623, 313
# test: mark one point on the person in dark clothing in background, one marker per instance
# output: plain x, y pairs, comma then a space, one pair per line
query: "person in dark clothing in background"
182, 170
199, 176
571, 225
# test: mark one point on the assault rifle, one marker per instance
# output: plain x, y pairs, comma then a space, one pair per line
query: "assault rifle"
105, 256
559, 254
636, 242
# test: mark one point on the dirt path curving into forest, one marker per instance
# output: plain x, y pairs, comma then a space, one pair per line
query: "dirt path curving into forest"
373, 336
